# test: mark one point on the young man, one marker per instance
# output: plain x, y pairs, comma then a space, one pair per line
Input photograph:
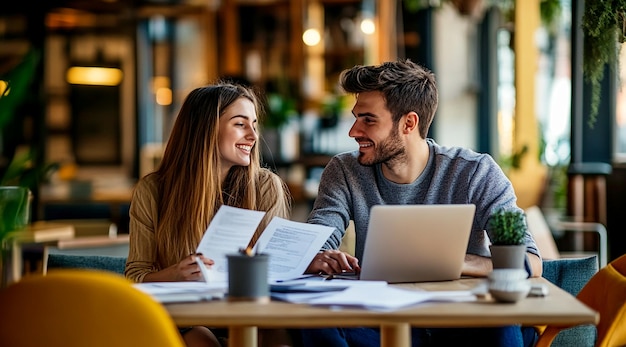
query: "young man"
397, 164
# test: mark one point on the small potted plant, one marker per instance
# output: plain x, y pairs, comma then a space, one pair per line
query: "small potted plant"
507, 229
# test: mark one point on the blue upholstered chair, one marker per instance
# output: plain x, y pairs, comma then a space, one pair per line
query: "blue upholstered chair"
571, 274
94, 262
104, 251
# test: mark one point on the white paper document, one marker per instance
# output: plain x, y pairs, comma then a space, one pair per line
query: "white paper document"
318, 283
208, 274
291, 246
230, 230
186, 291
387, 297
304, 290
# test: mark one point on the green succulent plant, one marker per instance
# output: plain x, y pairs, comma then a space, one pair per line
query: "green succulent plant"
507, 227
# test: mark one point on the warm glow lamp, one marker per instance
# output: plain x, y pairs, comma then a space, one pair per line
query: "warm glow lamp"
311, 37
367, 26
94, 75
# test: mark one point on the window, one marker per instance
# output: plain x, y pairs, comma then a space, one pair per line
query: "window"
620, 112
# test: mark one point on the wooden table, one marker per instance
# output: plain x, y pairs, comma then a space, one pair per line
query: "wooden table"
36, 232
243, 318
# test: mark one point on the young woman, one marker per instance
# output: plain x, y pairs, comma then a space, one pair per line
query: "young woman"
211, 159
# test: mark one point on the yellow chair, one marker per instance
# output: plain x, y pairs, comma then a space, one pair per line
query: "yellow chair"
73, 308
606, 293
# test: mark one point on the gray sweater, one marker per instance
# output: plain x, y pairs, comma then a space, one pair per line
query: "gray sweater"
453, 175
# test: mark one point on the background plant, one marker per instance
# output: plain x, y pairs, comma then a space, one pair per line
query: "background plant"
507, 227
280, 110
603, 25
20, 165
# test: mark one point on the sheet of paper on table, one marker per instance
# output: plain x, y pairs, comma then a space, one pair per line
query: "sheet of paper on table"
387, 297
188, 291
309, 283
305, 289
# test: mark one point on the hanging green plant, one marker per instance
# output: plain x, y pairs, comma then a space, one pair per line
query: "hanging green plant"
550, 11
603, 32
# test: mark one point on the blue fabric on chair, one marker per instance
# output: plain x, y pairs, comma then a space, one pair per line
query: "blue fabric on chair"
571, 274
97, 262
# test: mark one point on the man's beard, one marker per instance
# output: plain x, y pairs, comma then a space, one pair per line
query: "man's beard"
390, 150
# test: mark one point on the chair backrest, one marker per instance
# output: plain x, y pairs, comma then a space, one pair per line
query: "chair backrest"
92, 245
571, 275
73, 308
95, 262
542, 233
606, 293
539, 228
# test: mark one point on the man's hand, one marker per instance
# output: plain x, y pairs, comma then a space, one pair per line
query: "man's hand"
333, 262
476, 266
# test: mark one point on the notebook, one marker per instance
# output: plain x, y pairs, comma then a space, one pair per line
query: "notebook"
416, 243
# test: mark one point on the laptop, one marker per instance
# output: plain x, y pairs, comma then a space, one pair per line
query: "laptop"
416, 243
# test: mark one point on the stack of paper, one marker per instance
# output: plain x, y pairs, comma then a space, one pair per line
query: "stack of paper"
303, 290
371, 295
169, 292
387, 297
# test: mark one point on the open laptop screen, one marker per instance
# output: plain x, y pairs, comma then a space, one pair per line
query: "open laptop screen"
416, 243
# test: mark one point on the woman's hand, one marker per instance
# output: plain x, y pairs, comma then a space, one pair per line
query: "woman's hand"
186, 270
189, 270
333, 262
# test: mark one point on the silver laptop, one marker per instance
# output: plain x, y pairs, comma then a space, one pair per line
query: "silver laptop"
416, 243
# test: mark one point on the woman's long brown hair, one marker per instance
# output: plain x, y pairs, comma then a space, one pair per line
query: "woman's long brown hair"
189, 175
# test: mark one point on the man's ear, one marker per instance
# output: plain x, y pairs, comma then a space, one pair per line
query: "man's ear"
411, 121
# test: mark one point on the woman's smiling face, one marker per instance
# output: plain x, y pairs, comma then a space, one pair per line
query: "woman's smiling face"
238, 133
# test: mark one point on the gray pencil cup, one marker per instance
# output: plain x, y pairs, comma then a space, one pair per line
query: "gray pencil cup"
247, 277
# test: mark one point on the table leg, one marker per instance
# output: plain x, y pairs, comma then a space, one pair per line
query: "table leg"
395, 335
242, 337
16, 271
